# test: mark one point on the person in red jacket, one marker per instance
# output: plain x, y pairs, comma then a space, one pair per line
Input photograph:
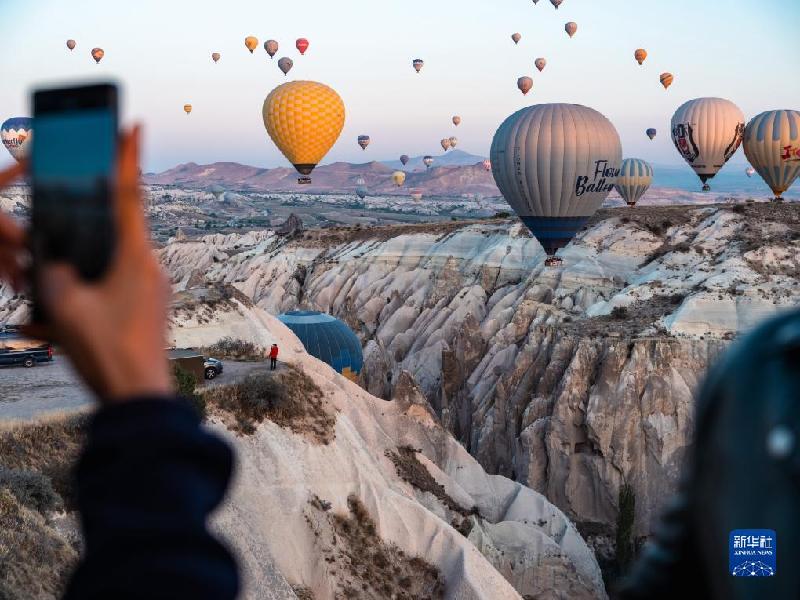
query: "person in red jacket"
273, 357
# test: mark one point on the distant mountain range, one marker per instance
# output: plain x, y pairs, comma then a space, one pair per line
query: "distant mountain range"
452, 174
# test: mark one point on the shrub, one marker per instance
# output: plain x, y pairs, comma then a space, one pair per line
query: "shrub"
619, 312
186, 384
625, 518
234, 349
31, 489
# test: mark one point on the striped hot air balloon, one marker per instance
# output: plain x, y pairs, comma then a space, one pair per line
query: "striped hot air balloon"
428, 161
16, 134
666, 79
417, 63
706, 133
634, 178
555, 164
363, 141
772, 146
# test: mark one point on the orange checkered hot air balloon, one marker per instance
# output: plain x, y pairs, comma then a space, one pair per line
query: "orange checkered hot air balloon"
304, 119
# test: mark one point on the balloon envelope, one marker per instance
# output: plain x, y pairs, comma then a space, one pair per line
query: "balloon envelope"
635, 177
271, 47
416, 194
666, 79
555, 164
71, 44
215, 56
399, 177
16, 134
304, 120
404, 159
750, 171
516, 37
651, 133
706, 133
571, 28
285, 64
363, 141
487, 164
418, 63
428, 161
302, 45
453, 141
456, 120
556, 3
772, 146
361, 192
445, 143
525, 84
187, 108
251, 43
640, 54
98, 54
540, 64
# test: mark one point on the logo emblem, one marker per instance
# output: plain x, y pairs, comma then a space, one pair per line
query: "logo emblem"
752, 553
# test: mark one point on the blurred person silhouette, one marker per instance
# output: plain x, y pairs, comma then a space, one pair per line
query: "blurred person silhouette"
742, 473
149, 475
273, 357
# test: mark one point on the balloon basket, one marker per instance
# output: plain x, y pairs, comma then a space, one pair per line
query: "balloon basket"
631, 204
777, 199
553, 261
706, 188
304, 180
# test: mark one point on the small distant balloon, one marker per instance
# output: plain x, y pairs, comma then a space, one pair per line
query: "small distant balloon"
453, 141
16, 132
666, 79
271, 47
445, 144
98, 54
361, 192
634, 179
187, 108
540, 63
215, 56
404, 159
516, 37
416, 194
750, 171
428, 160
571, 28
363, 141
285, 64
651, 133
456, 120
640, 54
302, 45
251, 43
556, 3
418, 63
71, 44
535, 1
399, 177
487, 164
525, 84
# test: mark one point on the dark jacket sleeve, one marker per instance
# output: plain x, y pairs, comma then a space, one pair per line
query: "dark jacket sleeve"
146, 484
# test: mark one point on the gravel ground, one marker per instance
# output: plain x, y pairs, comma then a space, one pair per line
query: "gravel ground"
54, 387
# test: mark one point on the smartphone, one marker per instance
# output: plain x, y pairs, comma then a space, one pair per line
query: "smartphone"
73, 161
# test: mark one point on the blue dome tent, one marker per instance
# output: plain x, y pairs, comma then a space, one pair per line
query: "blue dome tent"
326, 338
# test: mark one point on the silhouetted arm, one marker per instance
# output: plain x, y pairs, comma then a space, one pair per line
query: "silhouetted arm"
146, 483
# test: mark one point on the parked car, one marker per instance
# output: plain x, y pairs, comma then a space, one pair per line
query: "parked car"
16, 349
213, 367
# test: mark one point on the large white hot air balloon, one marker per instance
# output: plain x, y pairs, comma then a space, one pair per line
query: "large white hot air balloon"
707, 132
635, 177
555, 164
772, 145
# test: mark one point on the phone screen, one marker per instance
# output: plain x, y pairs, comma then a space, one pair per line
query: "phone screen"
72, 166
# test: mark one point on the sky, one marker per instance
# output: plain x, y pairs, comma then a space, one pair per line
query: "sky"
160, 51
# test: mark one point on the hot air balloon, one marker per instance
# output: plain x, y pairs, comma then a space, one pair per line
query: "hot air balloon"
750, 171
535, 1
640, 54
363, 141
651, 133
285, 64
635, 177
215, 56
399, 177
361, 192
16, 134
187, 108
445, 144
428, 161
456, 120
516, 37
304, 119
571, 28
487, 164
218, 191
302, 45
556, 3
271, 47
540, 64
555, 164
706, 132
453, 141
525, 84
71, 44
404, 159
251, 43
98, 54
772, 146
666, 79
416, 194
417, 63
328, 339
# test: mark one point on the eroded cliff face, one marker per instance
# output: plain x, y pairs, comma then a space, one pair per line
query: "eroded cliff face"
570, 379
